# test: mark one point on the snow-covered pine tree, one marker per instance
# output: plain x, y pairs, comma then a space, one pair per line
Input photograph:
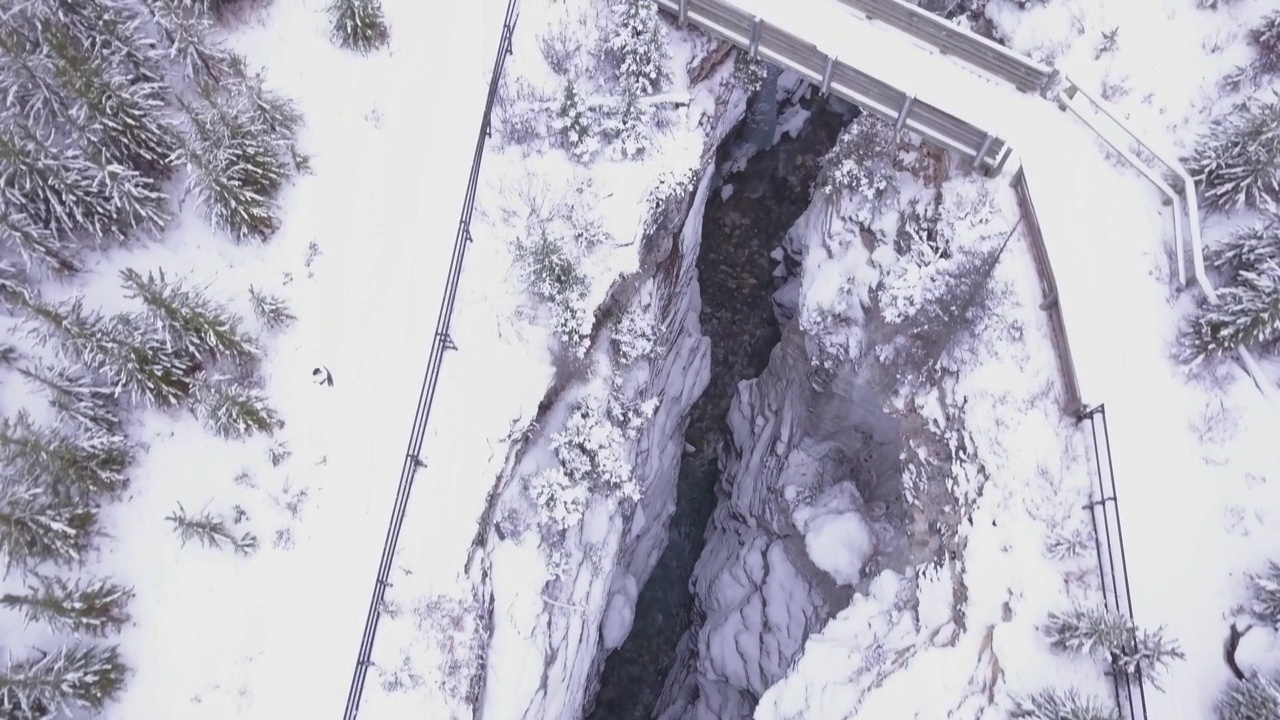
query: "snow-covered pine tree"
862, 160
748, 72
210, 531
38, 526
96, 607
114, 115
194, 324
14, 286
1236, 162
1128, 648
235, 168
34, 244
1247, 313
1254, 698
1264, 596
1265, 38
271, 310
552, 275
560, 497
574, 123
80, 467
188, 43
231, 408
1054, 704
128, 354
357, 25
58, 189
591, 450
62, 683
1248, 248
80, 401
638, 45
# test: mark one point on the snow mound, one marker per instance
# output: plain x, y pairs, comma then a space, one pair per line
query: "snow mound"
840, 544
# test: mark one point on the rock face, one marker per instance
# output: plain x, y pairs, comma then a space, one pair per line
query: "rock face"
804, 517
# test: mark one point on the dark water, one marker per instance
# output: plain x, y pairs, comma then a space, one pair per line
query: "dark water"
736, 278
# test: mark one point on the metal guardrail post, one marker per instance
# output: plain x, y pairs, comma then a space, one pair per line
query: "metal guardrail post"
982, 151
826, 75
903, 113
753, 45
682, 14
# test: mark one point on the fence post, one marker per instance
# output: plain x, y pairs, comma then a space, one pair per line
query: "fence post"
903, 112
683, 14
753, 46
982, 151
826, 74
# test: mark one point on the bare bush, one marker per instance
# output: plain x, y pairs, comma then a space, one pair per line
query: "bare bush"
561, 47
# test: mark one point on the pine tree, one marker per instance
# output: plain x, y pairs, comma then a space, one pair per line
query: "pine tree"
1254, 698
38, 526
1248, 248
638, 45
232, 409
116, 116
188, 43
862, 160
1069, 704
128, 353
1247, 313
574, 123
1128, 648
1264, 596
1266, 40
235, 167
210, 531
358, 25
1236, 163
195, 325
58, 189
35, 244
96, 607
272, 311
72, 678
76, 468
79, 400
631, 126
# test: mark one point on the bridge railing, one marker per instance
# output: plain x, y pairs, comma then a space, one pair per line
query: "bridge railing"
1072, 402
1181, 194
992, 58
825, 70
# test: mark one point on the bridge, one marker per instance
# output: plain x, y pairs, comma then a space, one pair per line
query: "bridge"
1004, 113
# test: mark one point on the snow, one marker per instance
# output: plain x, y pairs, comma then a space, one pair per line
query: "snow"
620, 611
840, 544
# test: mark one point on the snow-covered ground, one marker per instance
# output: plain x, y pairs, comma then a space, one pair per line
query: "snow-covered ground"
360, 257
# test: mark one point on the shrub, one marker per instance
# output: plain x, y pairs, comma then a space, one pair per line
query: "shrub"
1264, 596
590, 449
1266, 40
358, 25
1254, 698
561, 497
72, 678
210, 531
862, 160
576, 124
1069, 704
95, 607
231, 409
271, 310
1094, 631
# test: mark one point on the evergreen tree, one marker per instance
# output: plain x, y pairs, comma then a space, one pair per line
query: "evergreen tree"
1254, 698
38, 526
58, 190
862, 160
1264, 596
271, 311
194, 325
231, 409
574, 123
1128, 648
210, 531
1266, 40
640, 47
1247, 313
188, 43
96, 607
1069, 704
72, 678
35, 244
75, 468
14, 288
358, 25
131, 356
1248, 248
235, 168
80, 401
118, 117
1236, 163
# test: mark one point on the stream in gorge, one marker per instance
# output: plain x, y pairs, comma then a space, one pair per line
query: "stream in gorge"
747, 216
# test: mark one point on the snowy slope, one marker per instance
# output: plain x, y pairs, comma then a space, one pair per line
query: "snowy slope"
274, 635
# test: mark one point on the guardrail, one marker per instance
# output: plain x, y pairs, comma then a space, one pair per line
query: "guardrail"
1181, 194
1113, 566
1072, 402
440, 342
825, 70
990, 57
